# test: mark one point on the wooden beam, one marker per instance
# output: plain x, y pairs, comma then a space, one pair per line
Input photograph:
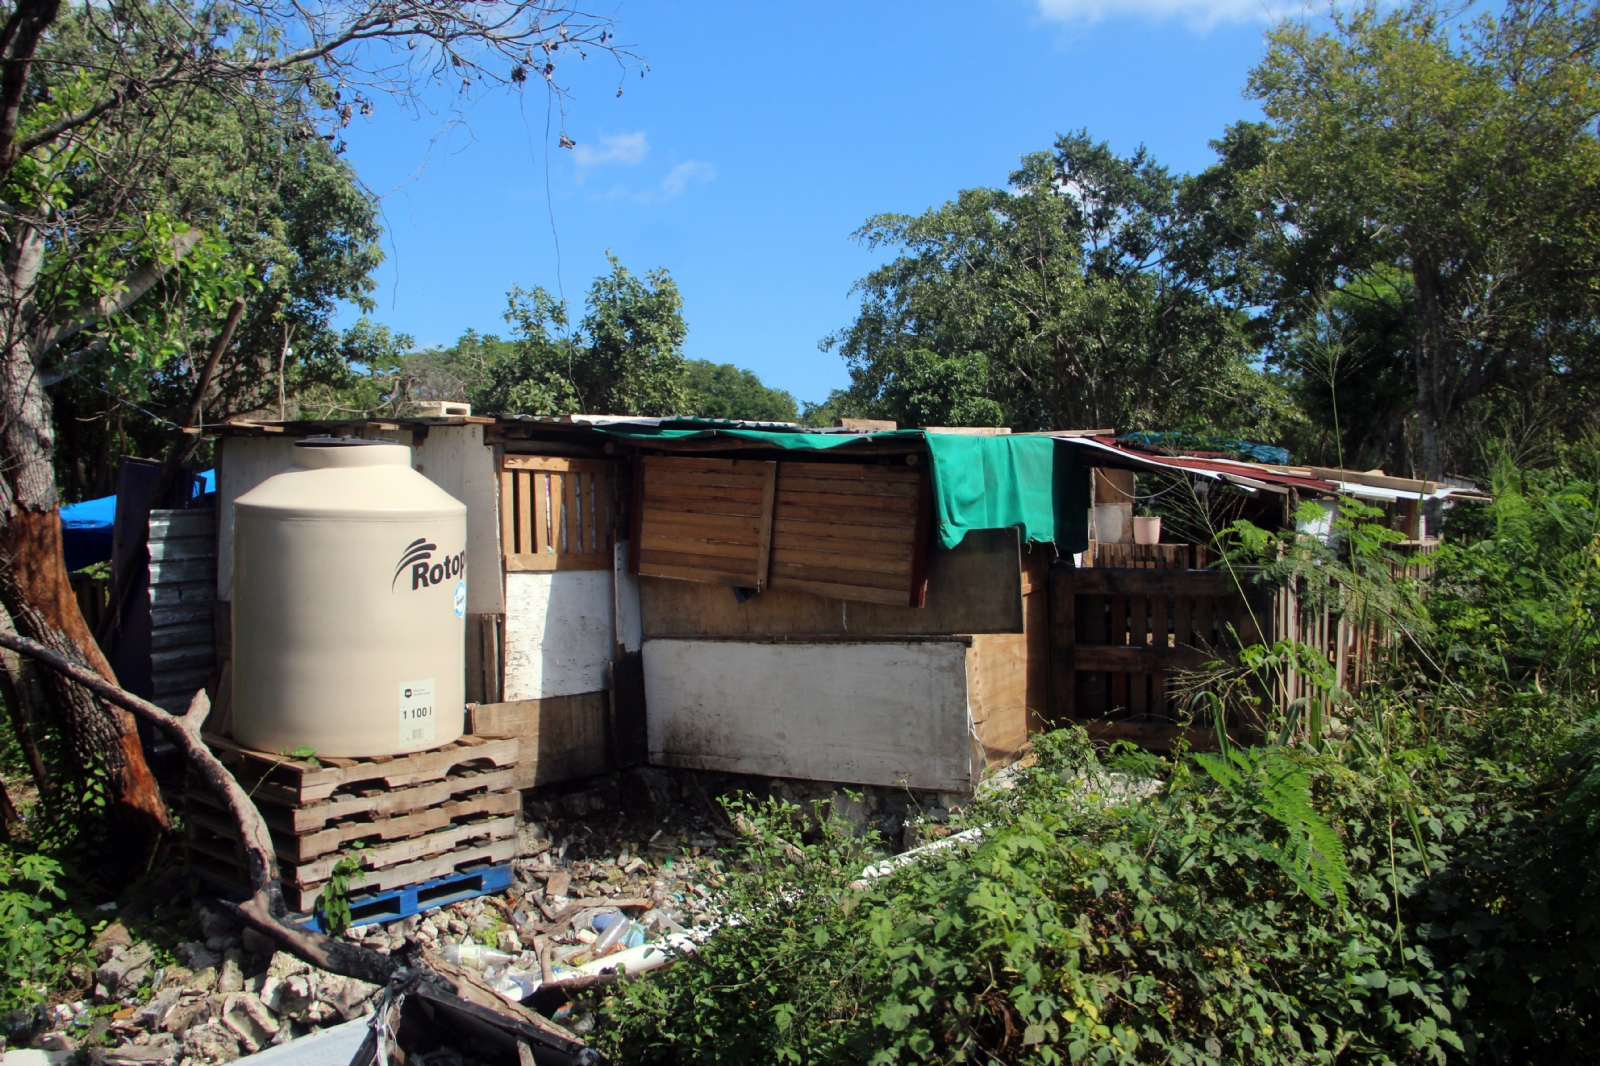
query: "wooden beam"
1128, 582
769, 495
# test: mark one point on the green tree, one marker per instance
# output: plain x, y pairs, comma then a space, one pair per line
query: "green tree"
116, 234
1460, 154
625, 357
299, 221
1059, 303
722, 390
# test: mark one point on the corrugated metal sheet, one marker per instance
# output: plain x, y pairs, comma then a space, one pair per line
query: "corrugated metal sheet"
183, 588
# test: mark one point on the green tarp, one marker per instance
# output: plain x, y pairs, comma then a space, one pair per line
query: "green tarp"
1011, 481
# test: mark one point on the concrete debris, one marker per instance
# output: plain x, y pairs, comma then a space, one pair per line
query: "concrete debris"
124, 969
606, 872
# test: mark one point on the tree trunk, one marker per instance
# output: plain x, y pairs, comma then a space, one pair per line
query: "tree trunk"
1430, 346
37, 593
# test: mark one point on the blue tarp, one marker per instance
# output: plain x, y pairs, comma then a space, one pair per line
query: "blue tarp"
86, 526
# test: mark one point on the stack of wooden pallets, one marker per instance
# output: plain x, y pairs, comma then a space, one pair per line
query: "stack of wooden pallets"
432, 816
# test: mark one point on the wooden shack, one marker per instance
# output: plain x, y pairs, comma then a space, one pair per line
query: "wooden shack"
727, 596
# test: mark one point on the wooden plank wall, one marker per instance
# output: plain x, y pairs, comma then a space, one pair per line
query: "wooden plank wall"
706, 519
558, 513
975, 587
560, 738
1008, 678
853, 531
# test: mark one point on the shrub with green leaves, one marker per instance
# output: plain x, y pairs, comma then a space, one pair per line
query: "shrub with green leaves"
1222, 919
39, 938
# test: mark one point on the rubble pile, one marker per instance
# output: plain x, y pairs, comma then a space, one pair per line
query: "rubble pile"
619, 866
204, 1002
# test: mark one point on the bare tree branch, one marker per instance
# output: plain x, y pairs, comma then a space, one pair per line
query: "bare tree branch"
265, 911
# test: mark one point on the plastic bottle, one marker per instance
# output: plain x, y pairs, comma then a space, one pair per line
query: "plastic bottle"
609, 938
471, 953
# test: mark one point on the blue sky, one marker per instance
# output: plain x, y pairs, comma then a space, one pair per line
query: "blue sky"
763, 135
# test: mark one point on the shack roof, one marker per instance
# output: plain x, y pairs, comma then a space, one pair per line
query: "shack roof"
979, 480
1106, 450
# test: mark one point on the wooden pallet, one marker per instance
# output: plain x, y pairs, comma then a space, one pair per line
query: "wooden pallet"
218, 839
423, 818
371, 804
296, 783
225, 872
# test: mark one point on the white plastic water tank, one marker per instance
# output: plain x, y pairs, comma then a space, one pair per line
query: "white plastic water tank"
349, 600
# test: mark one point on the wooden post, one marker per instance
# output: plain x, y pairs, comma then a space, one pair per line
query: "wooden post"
769, 498
1063, 642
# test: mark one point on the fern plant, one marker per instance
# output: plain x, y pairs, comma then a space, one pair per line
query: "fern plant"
1278, 783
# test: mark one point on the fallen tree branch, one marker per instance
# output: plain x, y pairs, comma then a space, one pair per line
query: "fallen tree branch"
265, 911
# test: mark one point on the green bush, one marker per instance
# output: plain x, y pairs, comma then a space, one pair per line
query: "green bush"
39, 938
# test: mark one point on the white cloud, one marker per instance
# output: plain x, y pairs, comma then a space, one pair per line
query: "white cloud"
679, 177
624, 148
1201, 14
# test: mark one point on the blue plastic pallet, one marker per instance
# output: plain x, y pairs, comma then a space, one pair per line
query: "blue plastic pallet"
392, 904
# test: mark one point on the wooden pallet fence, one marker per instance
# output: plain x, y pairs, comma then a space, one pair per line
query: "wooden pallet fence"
558, 513
1119, 635
1151, 556
855, 531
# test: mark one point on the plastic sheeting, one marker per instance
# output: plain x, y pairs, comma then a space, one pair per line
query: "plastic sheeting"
86, 527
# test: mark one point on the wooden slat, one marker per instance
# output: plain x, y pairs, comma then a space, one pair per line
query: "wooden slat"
718, 520
848, 517
654, 463
897, 565
852, 470
571, 515
1101, 582
872, 553
896, 597
553, 463
732, 479
527, 544
703, 546
852, 486
300, 783
897, 537
684, 561
862, 579
666, 495
693, 573
712, 509
550, 561
508, 512
828, 501
740, 532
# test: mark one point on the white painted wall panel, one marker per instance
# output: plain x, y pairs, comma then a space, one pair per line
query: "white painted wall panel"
560, 632
456, 459
630, 628
242, 464
892, 714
